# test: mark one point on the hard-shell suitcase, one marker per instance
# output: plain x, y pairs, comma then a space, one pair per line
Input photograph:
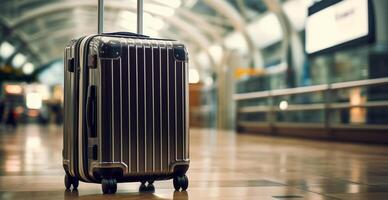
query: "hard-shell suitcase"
126, 106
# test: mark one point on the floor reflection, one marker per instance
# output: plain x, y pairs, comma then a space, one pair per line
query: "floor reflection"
224, 165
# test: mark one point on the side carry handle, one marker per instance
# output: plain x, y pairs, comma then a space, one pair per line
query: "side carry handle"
91, 111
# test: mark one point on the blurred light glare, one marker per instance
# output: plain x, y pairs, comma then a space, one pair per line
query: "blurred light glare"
208, 81
216, 52
127, 20
58, 93
33, 143
269, 28
19, 110
12, 165
18, 60
205, 59
13, 89
296, 11
153, 22
6, 50
33, 113
236, 41
159, 10
42, 89
283, 105
33, 101
28, 68
170, 3
193, 76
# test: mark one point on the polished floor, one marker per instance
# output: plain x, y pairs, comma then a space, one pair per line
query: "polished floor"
223, 166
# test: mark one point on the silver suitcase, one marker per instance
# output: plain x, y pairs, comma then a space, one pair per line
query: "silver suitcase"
126, 111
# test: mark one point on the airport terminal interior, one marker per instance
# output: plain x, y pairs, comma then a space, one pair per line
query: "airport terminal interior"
286, 99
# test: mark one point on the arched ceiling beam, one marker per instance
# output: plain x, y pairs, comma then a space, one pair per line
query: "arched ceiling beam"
274, 6
243, 8
64, 6
211, 30
290, 36
9, 34
228, 11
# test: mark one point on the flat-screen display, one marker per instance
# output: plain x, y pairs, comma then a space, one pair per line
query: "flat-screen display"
334, 24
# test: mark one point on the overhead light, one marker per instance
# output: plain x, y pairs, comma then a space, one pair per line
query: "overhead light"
28, 68
33, 100
269, 28
193, 75
283, 105
170, 3
18, 60
159, 10
13, 89
6, 50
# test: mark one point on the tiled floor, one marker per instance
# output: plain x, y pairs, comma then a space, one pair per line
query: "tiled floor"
223, 166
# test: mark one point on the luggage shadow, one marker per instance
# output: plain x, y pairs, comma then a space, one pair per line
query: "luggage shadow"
73, 195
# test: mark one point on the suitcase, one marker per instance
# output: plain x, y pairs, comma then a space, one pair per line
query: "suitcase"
126, 110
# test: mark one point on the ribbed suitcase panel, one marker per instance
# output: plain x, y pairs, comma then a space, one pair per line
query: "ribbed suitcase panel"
144, 108
164, 110
157, 106
179, 106
171, 105
125, 107
117, 108
149, 111
132, 144
106, 111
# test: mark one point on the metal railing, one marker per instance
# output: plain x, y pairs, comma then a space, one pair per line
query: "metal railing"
327, 106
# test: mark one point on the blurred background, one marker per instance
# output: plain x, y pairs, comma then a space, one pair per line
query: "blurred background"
259, 66
265, 76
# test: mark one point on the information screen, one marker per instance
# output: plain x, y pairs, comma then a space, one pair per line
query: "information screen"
337, 24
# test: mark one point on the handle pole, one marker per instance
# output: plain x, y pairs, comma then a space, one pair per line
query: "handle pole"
100, 16
140, 16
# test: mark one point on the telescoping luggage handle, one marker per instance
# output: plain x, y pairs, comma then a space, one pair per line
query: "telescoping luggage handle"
139, 20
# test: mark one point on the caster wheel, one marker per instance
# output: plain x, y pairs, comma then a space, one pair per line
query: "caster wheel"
67, 182
105, 186
142, 187
71, 181
150, 186
75, 183
114, 186
184, 183
181, 182
109, 186
176, 183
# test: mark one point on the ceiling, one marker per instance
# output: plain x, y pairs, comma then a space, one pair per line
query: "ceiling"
39, 29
